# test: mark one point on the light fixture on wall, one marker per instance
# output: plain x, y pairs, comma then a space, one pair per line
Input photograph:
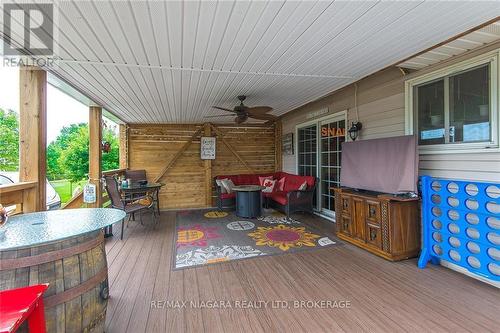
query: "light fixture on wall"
356, 125
354, 130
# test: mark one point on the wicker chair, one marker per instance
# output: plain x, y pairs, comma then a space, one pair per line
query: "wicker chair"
128, 205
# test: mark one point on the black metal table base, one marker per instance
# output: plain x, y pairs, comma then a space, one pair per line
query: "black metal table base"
248, 204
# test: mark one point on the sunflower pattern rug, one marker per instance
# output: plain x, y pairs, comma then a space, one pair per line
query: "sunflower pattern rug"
207, 236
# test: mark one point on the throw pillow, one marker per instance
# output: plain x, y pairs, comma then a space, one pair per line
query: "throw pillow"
281, 184
228, 185
219, 183
269, 185
263, 179
303, 186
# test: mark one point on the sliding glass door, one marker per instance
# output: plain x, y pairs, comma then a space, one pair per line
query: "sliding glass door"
307, 142
319, 155
332, 133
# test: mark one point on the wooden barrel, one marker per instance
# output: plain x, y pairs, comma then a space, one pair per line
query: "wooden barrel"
77, 272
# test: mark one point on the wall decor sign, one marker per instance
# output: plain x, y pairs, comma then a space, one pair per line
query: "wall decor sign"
332, 132
287, 144
207, 148
317, 113
89, 193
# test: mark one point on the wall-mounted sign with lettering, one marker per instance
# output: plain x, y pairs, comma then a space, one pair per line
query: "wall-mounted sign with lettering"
332, 132
207, 148
316, 113
287, 142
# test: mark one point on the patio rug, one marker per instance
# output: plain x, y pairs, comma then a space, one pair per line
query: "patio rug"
210, 236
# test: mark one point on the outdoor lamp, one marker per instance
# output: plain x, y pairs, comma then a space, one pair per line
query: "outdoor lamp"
353, 131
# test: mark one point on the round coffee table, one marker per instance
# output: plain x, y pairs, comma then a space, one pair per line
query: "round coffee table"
248, 200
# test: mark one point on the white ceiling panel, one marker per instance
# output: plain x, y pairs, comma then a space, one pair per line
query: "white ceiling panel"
170, 61
485, 35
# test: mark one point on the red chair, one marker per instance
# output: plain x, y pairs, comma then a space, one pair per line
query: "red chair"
18, 305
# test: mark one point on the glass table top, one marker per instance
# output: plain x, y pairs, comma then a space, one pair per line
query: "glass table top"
39, 228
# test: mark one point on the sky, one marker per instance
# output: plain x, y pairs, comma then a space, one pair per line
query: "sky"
62, 110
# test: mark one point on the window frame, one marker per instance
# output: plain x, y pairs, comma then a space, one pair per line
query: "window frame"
468, 147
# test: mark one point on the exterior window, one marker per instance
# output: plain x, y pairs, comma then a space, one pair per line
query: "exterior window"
466, 116
456, 108
470, 106
430, 110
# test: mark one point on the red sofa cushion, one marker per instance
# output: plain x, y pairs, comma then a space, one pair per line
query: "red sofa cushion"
293, 182
248, 179
228, 195
279, 197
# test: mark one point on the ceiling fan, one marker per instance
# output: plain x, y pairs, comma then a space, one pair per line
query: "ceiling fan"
244, 112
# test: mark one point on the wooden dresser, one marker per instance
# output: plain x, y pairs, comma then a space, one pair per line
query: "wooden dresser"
382, 224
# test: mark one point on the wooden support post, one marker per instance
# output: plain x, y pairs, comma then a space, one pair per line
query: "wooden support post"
123, 152
95, 141
231, 149
278, 152
208, 170
33, 135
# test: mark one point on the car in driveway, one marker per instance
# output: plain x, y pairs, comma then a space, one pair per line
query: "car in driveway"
52, 197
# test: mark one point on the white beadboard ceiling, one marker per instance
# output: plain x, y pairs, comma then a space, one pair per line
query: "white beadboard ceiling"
488, 34
169, 61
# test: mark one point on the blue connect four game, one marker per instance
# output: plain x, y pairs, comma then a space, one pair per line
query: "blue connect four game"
461, 224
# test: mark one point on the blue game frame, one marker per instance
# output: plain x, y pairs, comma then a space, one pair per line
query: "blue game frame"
461, 224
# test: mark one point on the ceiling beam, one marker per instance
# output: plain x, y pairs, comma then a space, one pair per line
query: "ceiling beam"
193, 69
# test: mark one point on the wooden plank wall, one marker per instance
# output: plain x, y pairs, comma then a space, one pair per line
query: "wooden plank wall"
152, 147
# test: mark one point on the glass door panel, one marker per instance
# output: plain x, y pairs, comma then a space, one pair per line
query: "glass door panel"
307, 146
332, 134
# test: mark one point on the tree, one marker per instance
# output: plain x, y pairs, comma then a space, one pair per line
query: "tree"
74, 152
56, 168
75, 157
9, 140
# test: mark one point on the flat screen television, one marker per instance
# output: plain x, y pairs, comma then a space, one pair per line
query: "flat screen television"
388, 165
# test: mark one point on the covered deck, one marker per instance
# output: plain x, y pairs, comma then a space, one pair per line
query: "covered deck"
372, 294
297, 80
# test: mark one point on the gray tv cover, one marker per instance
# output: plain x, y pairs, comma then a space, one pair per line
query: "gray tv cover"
387, 165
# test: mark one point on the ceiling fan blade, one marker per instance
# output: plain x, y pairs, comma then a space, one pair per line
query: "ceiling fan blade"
223, 109
221, 115
259, 109
263, 116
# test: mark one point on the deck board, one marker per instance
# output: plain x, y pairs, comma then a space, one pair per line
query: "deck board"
385, 296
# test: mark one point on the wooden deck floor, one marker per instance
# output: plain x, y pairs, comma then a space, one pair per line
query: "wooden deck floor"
384, 296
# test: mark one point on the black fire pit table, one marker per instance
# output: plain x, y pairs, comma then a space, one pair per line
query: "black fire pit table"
248, 200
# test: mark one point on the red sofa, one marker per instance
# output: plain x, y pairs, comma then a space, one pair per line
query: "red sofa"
288, 201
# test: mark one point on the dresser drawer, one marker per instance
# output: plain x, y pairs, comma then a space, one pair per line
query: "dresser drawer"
345, 205
374, 235
345, 225
372, 212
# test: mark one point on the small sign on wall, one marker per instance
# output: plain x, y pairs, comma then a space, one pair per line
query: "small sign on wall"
332, 132
207, 148
287, 144
89, 193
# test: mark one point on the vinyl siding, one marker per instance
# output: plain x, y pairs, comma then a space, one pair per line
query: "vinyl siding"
381, 109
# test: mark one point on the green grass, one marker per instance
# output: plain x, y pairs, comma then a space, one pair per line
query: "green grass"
65, 188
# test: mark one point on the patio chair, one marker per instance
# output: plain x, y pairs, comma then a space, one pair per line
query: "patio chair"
128, 205
135, 175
